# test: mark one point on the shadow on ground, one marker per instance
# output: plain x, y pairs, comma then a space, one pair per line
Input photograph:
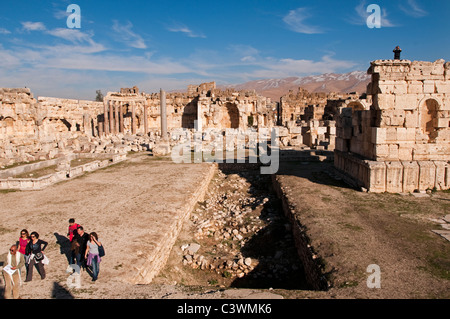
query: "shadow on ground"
273, 246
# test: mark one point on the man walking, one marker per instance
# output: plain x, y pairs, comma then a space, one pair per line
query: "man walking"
11, 273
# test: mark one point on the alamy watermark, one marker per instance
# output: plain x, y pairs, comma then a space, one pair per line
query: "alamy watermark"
374, 19
374, 279
229, 146
74, 19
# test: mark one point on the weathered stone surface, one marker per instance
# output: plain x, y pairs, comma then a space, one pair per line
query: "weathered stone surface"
406, 123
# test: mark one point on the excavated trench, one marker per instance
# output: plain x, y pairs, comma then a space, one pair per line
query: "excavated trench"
239, 236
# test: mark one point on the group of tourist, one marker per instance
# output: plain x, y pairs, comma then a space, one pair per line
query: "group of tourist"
29, 252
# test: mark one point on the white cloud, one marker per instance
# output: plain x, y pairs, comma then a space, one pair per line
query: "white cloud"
295, 20
125, 35
184, 29
243, 49
72, 35
4, 31
8, 60
413, 9
282, 68
33, 26
116, 63
61, 14
241, 66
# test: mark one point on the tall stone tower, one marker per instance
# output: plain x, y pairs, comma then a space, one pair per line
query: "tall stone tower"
401, 143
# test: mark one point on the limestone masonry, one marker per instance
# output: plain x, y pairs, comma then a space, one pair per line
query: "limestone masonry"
398, 139
393, 138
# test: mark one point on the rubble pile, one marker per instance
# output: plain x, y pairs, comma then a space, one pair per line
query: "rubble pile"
241, 233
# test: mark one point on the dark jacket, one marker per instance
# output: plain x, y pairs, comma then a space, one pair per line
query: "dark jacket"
36, 248
82, 242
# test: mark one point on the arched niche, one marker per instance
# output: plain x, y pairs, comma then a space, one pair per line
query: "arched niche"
189, 115
357, 106
428, 117
230, 116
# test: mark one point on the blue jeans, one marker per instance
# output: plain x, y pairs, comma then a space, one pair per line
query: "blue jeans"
95, 266
79, 260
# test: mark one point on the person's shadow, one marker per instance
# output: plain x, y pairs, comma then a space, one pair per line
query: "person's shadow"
64, 245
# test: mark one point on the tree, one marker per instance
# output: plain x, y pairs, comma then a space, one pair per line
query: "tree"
99, 97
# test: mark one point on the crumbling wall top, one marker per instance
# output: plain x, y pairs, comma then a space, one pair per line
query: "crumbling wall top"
393, 68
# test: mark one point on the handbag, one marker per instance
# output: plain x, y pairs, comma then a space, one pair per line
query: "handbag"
101, 251
38, 256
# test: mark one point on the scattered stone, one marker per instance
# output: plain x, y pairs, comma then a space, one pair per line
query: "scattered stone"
235, 210
193, 248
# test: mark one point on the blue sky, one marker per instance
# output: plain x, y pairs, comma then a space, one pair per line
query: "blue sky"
170, 44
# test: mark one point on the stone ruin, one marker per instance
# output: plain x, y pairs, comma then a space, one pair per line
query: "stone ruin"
45, 128
310, 118
398, 139
394, 138
38, 129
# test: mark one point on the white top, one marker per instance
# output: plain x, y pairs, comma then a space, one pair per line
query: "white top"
93, 248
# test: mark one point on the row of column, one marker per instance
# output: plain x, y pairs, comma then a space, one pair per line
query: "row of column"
114, 119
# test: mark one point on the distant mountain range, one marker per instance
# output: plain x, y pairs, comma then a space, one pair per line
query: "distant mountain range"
355, 81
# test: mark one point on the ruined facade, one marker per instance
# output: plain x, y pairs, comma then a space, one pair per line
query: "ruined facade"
398, 140
44, 128
310, 117
306, 106
34, 129
210, 107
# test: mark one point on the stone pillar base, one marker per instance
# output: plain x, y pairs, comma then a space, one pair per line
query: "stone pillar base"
161, 149
394, 176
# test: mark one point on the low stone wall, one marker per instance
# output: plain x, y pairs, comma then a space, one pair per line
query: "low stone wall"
315, 278
7, 180
394, 176
23, 169
157, 260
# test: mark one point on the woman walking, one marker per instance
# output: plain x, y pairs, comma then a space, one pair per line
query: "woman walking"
92, 255
24, 239
35, 252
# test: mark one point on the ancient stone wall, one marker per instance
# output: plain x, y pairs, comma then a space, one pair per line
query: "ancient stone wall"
307, 106
210, 107
213, 108
44, 128
310, 117
38, 129
406, 129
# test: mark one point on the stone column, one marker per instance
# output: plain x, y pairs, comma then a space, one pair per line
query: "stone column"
106, 117
145, 119
87, 124
100, 129
163, 111
116, 117
199, 126
162, 147
111, 117
122, 128
133, 117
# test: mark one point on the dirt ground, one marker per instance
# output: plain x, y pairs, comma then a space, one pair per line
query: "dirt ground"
348, 229
351, 230
132, 206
